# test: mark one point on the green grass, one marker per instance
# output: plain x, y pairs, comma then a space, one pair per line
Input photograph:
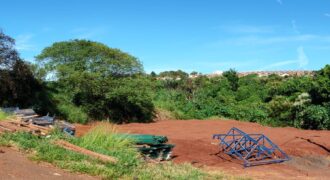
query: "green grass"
102, 139
164, 114
169, 170
3, 115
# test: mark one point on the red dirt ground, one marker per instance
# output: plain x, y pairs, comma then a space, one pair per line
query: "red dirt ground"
193, 139
15, 165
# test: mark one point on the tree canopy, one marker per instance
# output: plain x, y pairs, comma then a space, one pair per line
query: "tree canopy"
83, 56
91, 77
18, 87
8, 54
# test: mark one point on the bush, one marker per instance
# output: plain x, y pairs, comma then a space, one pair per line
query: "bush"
280, 108
127, 105
254, 112
72, 113
314, 117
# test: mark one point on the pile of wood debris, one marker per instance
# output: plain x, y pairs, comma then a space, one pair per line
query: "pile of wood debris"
27, 120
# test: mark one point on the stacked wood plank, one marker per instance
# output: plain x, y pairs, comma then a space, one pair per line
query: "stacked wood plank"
23, 123
13, 125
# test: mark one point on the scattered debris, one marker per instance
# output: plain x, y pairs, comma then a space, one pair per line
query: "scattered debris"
253, 149
152, 147
27, 120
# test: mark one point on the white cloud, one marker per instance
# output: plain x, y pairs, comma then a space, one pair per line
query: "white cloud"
280, 2
294, 27
247, 29
302, 60
226, 64
262, 40
23, 42
281, 63
87, 33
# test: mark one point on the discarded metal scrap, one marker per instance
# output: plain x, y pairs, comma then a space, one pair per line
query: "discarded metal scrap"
252, 149
151, 146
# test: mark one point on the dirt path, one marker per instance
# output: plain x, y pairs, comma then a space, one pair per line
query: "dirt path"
15, 165
309, 149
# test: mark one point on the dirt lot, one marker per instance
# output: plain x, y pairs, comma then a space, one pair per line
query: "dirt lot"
15, 165
309, 150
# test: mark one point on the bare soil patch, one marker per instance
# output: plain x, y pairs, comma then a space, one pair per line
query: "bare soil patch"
15, 165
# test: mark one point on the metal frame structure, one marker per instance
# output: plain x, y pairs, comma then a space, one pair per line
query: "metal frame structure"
252, 149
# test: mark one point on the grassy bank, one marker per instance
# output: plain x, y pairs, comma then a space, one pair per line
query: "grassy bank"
102, 139
3, 115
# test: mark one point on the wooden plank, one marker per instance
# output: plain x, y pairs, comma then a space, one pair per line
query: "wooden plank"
6, 124
72, 147
3, 128
29, 117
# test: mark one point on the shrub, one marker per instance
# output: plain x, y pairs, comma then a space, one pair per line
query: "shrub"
254, 112
314, 117
72, 113
280, 108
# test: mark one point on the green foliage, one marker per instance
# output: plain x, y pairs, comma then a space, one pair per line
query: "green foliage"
81, 80
232, 77
170, 171
3, 115
314, 117
153, 74
253, 112
179, 74
72, 113
97, 82
18, 86
133, 95
273, 100
70, 59
102, 139
320, 91
280, 108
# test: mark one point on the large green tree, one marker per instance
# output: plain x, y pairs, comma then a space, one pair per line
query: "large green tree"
8, 54
18, 87
232, 77
89, 75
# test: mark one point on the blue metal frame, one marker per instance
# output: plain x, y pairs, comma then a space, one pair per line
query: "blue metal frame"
252, 149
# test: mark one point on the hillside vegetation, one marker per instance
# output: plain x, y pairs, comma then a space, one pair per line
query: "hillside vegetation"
302, 102
82, 80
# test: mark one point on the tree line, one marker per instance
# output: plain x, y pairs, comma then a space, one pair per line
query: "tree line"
298, 101
82, 80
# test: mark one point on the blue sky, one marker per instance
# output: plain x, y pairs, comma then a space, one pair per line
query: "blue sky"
203, 36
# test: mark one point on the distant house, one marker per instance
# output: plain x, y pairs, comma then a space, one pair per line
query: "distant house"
242, 74
280, 73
